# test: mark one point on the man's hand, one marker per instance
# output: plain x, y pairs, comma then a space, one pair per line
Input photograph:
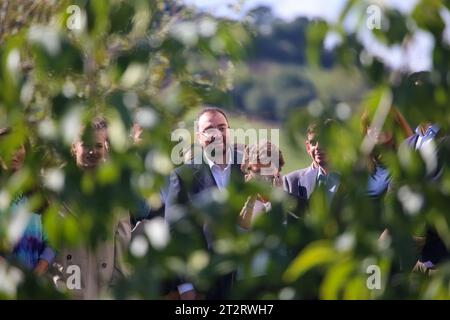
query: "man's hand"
188, 295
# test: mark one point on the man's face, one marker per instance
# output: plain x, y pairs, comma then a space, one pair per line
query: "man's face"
313, 148
92, 151
213, 131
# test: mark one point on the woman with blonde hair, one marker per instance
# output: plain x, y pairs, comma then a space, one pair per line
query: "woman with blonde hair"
262, 161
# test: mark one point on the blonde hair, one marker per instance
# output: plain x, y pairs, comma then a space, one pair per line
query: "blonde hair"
262, 152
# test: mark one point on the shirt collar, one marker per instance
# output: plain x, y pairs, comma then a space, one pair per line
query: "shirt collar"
321, 177
431, 130
429, 135
211, 163
320, 172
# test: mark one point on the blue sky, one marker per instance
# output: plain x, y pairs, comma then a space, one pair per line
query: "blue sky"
286, 9
414, 57
290, 9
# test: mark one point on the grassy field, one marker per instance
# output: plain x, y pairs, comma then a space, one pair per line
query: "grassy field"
294, 157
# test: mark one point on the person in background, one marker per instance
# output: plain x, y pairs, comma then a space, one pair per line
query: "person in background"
429, 246
100, 267
427, 140
383, 139
263, 161
32, 249
216, 169
145, 211
301, 183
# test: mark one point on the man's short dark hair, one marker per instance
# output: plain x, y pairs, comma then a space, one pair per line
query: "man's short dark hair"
211, 109
318, 127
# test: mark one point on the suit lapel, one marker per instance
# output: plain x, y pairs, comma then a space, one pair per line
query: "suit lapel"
204, 177
308, 180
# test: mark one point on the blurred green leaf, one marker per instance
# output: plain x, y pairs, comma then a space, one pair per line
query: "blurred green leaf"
316, 254
316, 36
427, 16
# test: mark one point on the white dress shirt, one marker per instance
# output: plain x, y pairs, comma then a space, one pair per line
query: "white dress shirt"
221, 176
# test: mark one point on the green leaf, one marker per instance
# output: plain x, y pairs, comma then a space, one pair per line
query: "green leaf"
121, 16
335, 280
315, 37
427, 16
108, 173
316, 254
397, 30
97, 16
357, 289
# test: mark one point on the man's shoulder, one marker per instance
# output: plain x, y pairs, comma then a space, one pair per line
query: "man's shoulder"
411, 140
186, 169
296, 174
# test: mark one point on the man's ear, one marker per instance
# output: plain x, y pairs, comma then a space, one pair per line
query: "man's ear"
107, 145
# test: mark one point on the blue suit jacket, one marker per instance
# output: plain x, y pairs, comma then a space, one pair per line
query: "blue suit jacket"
301, 183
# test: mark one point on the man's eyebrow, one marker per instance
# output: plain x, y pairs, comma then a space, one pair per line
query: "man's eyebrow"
213, 127
221, 125
208, 127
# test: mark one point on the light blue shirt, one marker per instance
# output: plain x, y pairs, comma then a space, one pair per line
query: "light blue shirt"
429, 135
330, 181
378, 182
221, 176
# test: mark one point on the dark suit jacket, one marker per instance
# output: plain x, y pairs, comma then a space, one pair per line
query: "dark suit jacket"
189, 184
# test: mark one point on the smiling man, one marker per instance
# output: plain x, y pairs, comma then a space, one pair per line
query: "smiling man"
197, 180
302, 183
